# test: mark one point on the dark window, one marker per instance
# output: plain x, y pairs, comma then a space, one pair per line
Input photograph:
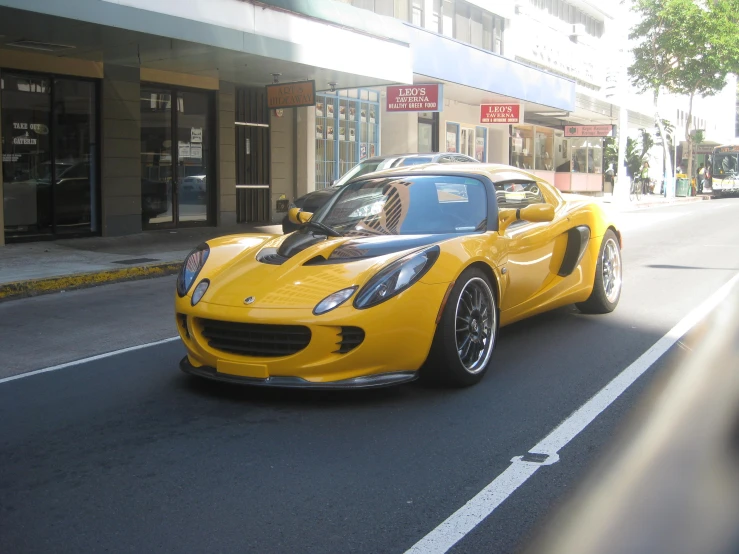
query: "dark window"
49, 160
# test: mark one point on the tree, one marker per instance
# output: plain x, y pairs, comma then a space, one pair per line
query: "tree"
685, 47
637, 152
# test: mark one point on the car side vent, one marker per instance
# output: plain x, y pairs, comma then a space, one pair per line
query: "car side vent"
270, 256
182, 320
349, 339
316, 261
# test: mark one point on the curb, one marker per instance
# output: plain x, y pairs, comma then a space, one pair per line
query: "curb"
36, 287
643, 205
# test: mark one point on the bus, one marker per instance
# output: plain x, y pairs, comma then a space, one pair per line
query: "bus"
725, 170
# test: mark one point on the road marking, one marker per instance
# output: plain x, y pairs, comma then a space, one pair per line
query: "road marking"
464, 520
90, 359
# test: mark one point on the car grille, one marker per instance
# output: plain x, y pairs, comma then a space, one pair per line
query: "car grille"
253, 339
350, 338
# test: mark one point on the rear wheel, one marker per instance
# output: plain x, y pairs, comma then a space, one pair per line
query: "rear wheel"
465, 336
608, 278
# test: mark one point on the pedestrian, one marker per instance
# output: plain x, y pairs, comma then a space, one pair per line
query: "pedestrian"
644, 177
701, 178
610, 172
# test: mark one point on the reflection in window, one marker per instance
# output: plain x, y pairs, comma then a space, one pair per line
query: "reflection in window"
49, 163
517, 194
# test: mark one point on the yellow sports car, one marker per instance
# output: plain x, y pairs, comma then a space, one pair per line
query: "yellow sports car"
403, 273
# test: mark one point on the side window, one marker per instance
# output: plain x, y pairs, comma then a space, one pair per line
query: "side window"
446, 159
518, 193
462, 159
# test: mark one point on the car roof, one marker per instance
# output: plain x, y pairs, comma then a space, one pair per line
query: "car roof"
496, 172
432, 155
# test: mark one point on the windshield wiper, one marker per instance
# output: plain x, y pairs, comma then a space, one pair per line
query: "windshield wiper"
323, 227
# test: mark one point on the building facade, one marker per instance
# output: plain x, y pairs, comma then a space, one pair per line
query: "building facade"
122, 116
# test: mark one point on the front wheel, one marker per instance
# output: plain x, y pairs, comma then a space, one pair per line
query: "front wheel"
608, 278
465, 336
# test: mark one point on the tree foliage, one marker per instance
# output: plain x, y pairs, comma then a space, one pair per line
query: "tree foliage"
685, 47
637, 151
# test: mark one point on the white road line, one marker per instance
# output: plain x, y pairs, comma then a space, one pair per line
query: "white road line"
90, 359
464, 520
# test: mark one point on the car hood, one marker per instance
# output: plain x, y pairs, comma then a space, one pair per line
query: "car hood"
285, 272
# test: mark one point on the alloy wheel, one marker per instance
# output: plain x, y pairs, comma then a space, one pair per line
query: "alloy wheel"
611, 270
475, 325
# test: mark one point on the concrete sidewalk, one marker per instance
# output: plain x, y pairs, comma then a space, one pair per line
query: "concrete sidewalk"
35, 268
646, 201
28, 269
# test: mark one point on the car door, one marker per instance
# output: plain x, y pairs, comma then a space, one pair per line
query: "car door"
530, 266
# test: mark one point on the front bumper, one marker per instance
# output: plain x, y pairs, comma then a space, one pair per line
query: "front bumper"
287, 382
396, 342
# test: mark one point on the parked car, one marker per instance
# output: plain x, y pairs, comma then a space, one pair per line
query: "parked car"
313, 200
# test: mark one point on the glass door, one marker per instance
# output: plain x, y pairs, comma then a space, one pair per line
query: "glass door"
156, 158
175, 157
467, 141
75, 144
192, 156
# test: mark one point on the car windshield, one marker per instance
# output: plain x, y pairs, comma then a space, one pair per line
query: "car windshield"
420, 204
416, 160
358, 170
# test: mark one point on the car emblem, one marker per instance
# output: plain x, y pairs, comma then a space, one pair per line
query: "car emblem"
249, 300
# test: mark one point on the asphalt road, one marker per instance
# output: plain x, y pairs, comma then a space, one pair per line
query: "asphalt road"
126, 454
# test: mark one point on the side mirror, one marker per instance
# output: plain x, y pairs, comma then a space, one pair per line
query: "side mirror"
333, 183
536, 213
298, 216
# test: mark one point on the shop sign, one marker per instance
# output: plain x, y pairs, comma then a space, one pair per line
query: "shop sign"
589, 131
415, 98
291, 95
501, 113
183, 150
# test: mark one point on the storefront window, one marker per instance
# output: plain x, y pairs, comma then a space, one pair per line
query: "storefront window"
544, 149
49, 165
522, 147
428, 132
183, 160
587, 155
481, 144
347, 132
452, 137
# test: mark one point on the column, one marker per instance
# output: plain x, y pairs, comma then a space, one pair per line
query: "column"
226, 152
305, 150
121, 151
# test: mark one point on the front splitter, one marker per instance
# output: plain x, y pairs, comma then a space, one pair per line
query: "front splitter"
285, 382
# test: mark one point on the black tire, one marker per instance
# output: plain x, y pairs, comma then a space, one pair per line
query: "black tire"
471, 294
607, 273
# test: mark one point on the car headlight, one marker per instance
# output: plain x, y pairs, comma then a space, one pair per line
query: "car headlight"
333, 301
191, 267
199, 291
396, 277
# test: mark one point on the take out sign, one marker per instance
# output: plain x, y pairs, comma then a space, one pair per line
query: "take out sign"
291, 95
501, 113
